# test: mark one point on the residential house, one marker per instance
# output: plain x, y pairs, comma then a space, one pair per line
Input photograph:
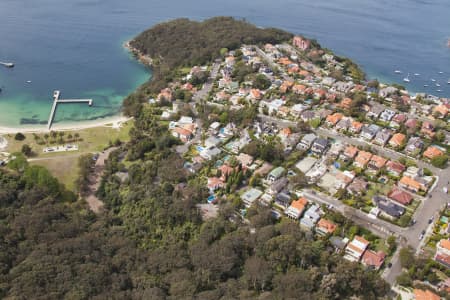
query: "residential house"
299, 89
165, 94
356, 127
432, 152
387, 115
355, 249
308, 115
349, 153
427, 129
375, 110
210, 153
255, 94
343, 179
400, 196
212, 141
214, 128
333, 119
283, 200
225, 171
389, 208
398, 120
368, 132
277, 186
301, 43
358, 186
307, 141
346, 103
376, 163
215, 183
344, 124
275, 174
335, 149
372, 259
295, 210
442, 255
184, 134
440, 111
397, 140
250, 196
362, 159
412, 184
425, 295
395, 168
297, 109
412, 124
325, 227
382, 137
244, 159
387, 91
414, 146
319, 146
338, 243
311, 217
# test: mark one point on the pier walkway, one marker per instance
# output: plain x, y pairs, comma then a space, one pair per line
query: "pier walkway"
56, 101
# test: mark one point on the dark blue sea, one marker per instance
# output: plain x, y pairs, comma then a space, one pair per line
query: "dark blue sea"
76, 45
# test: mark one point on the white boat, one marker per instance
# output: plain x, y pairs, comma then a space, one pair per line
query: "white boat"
28, 81
439, 91
437, 84
398, 71
440, 72
406, 79
416, 74
433, 79
448, 82
425, 85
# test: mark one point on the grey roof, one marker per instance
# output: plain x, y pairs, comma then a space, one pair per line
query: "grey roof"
279, 184
321, 142
388, 206
309, 138
372, 129
338, 242
283, 199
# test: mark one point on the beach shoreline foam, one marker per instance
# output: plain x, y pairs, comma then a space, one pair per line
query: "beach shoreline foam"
114, 122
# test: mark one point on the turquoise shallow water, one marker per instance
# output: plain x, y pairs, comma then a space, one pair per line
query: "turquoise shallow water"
76, 46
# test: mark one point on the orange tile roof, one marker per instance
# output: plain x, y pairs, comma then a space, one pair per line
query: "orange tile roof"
326, 225
442, 109
351, 151
378, 161
334, 118
256, 93
372, 258
425, 295
445, 244
299, 204
432, 152
182, 131
408, 181
361, 240
363, 157
298, 88
286, 131
357, 125
397, 139
346, 103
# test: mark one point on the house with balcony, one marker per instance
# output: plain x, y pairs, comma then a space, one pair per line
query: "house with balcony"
295, 210
368, 132
376, 163
319, 146
356, 248
362, 159
325, 227
311, 217
442, 255
382, 137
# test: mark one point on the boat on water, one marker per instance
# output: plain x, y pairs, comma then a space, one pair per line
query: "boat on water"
440, 72
416, 74
425, 85
439, 91
28, 81
7, 64
437, 84
398, 72
433, 79
406, 79
448, 82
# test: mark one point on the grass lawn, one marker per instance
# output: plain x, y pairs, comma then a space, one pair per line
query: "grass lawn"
63, 168
93, 140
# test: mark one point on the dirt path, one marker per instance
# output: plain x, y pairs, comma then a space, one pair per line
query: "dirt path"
94, 203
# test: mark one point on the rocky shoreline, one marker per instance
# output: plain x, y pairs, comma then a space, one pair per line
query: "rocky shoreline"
143, 58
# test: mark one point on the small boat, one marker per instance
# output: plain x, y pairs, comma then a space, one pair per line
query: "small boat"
439, 91
28, 81
437, 84
448, 82
425, 85
440, 72
398, 72
416, 74
433, 79
406, 79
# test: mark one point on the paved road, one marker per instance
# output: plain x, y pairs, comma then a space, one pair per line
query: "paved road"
429, 207
201, 94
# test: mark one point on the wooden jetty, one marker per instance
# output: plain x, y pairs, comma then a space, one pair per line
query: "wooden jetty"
57, 100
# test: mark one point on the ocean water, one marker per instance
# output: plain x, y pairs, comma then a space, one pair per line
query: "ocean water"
76, 45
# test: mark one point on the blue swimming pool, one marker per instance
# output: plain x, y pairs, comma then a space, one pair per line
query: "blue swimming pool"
211, 199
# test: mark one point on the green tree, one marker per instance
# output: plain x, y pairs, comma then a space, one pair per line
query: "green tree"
19, 136
440, 161
26, 150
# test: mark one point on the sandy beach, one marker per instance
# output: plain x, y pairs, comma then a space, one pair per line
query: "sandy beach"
108, 121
